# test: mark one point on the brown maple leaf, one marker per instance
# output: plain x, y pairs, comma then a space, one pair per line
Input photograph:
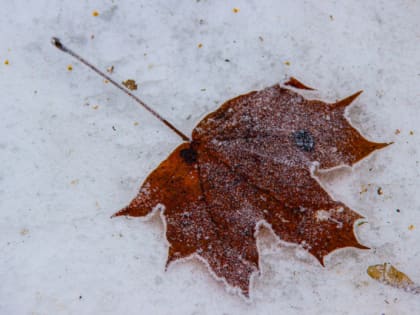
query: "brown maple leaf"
250, 162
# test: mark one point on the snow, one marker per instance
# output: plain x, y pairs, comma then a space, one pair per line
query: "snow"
65, 170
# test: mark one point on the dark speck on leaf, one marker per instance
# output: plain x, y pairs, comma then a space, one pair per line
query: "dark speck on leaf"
189, 155
304, 140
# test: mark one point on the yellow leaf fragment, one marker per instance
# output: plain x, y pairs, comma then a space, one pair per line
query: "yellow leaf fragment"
389, 275
130, 84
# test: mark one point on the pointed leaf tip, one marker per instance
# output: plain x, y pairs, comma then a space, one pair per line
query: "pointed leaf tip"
245, 293
293, 82
124, 211
171, 258
169, 261
380, 146
321, 261
346, 101
373, 146
361, 246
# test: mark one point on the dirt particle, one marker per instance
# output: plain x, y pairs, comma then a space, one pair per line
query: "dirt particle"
6, 62
380, 191
136, 123
200, 45
69, 67
397, 131
130, 84
110, 69
235, 10
24, 232
411, 227
95, 13
287, 63
95, 107
411, 132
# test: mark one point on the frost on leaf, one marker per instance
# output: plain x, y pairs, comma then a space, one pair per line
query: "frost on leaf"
250, 161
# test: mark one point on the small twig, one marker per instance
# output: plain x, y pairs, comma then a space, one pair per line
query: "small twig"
56, 42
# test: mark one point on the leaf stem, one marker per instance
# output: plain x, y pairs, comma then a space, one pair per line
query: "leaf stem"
57, 43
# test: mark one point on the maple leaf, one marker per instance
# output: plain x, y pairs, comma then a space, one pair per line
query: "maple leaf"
250, 162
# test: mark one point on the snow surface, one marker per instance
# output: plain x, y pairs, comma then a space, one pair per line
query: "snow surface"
73, 149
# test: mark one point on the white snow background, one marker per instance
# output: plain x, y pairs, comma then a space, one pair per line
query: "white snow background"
73, 149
